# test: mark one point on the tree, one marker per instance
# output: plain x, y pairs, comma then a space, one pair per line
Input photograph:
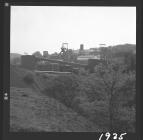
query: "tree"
114, 81
130, 60
37, 54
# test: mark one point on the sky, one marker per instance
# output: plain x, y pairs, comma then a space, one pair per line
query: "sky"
45, 28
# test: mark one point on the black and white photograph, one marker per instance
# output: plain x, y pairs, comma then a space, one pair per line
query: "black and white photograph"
72, 69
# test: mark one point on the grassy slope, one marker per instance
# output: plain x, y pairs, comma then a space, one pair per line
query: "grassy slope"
32, 111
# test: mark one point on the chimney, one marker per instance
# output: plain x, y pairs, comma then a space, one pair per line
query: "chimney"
81, 47
45, 54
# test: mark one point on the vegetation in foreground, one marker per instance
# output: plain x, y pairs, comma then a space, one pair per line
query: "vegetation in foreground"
106, 97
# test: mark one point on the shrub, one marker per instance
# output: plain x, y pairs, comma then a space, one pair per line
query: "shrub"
29, 78
82, 71
63, 88
90, 87
44, 76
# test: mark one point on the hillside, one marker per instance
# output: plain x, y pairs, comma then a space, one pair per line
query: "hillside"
124, 48
31, 110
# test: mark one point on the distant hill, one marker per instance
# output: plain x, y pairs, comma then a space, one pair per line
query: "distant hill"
125, 47
14, 55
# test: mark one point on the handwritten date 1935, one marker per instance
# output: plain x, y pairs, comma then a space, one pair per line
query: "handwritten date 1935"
113, 136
